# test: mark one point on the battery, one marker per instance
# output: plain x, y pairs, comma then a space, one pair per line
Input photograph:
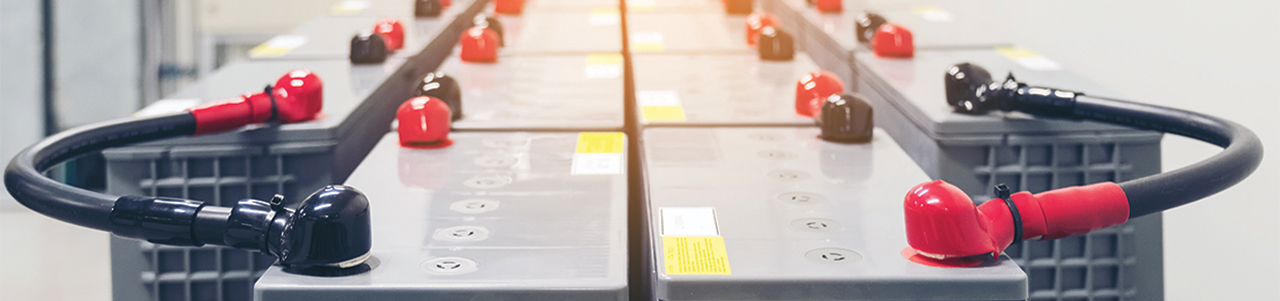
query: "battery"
538, 33
831, 38
540, 92
329, 37
718, 89
495, 216
683, 33
1026, 153
775, 213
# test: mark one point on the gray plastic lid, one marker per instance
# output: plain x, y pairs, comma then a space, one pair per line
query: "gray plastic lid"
495, 216
722, 89
914, 86
329, 37
560, 33
700, 33
345, 87
934, 24
781, 198
543, 92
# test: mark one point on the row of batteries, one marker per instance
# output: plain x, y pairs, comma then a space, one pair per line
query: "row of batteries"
506, 174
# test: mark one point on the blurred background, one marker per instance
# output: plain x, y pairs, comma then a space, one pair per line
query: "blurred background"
70, 63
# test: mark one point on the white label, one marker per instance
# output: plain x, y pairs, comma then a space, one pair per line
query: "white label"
166, 106
597, 164
603, 71
658, 98
1038, 63
649, 37
604, 19
689, 221
350, 7
932, 14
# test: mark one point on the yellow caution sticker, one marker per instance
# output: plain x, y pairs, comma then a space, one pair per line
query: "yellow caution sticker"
599, 153
604, 16
1028, 59
660, 106
277, 46
604, 65
601, 142
931, 13
647, 42
695, 255
640, 5
348, 7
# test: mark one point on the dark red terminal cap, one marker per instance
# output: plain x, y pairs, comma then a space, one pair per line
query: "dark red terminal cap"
392, 33
892, 40
479, 45
756, 22
829, 6
510, 7
943, 223
424, 123
296, 96
428, 8
813, 88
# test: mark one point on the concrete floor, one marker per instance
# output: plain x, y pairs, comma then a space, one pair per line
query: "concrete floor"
1215, 57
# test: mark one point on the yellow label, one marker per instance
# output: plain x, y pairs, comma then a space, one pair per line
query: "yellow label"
695, 255
663, 113
648, 47
277, 46
604, 59
601, 143
1014, 53
647, 42
349, 7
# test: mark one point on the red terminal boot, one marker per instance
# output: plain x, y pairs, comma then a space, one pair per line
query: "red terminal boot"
510, 7
392, 33
446, 3
296, 96
479, 45
813, 88
424, 123
756, 22
944, 228
892, 40
829, 6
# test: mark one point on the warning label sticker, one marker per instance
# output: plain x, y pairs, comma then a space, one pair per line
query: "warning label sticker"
599, 153
277, 46
349, 7
604, 65
660, 106
647, 42
702, 255
604, 17
1028, 59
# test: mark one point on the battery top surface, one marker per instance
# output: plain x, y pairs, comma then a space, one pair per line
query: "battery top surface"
557, 33
718, 89
778, 214
688, 33
543, 92
329, 37
346, 86
934, 24
493, 216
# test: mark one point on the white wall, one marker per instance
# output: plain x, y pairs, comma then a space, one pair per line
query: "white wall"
21, 114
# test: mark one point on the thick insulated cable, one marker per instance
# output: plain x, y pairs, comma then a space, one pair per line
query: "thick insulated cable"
25, 180
1241, 154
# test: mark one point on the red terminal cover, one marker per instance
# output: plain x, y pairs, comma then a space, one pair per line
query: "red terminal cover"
812, 88
510, 7
756, 22
479, 45
392, 33
298, 97
829, 6
445, 3
424, 123
942, 222
892, 40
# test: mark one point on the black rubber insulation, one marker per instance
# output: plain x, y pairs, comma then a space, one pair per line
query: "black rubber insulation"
25, 180
1241, 154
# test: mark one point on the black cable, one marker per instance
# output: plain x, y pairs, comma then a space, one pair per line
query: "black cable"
1240, 157
25, 180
